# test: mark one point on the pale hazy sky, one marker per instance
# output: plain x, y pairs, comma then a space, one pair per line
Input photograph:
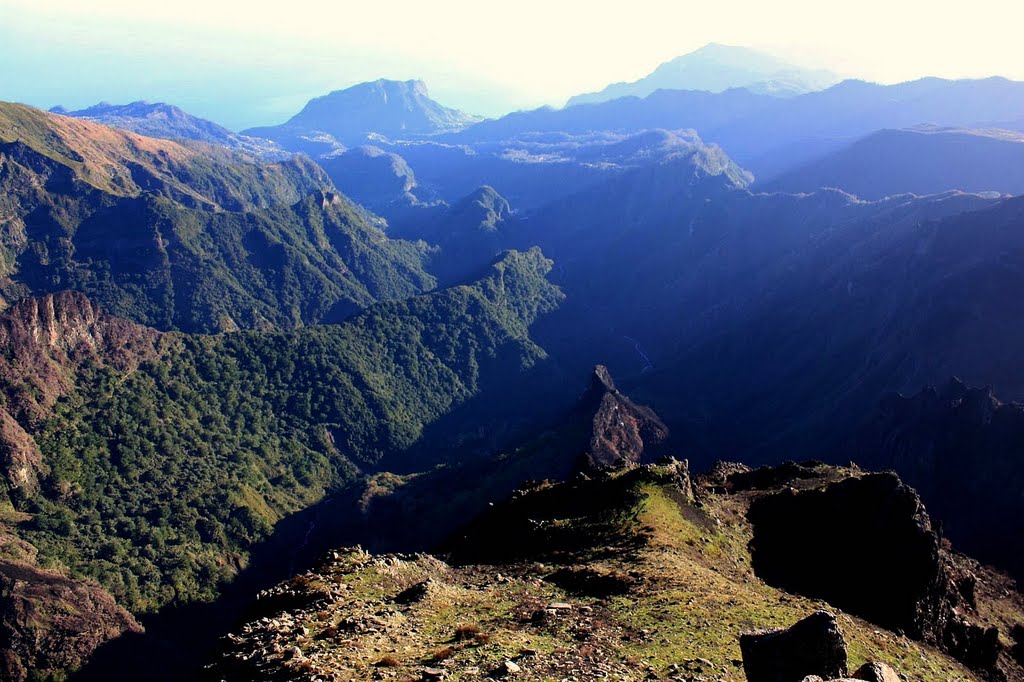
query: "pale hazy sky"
250, 63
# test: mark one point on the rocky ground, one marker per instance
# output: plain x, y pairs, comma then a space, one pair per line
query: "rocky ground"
637, 574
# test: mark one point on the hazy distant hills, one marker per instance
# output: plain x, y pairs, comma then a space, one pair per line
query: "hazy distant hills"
531, 171
348, 117
796, 130
919, 160
669, 109
172, 123
714, 68
771, 135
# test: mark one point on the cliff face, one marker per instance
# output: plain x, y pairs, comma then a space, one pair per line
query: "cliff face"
963, 449
908, 582
45, 341
50, 623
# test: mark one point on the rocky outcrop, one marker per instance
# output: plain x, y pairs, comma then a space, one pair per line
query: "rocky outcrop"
813, 646
900, 576
21, 462
768, 477
542, 520
622, 433
51, 623
563, 578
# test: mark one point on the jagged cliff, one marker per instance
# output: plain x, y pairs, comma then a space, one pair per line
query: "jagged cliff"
622, 432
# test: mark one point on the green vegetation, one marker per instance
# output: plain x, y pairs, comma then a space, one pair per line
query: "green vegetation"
161, 478
154, 262
191, 238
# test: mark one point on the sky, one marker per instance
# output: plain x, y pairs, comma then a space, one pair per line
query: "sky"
256, 63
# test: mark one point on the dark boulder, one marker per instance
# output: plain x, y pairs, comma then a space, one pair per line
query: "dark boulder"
1017, 634
813, 646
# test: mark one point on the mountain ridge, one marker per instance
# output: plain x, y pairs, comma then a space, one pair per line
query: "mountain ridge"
193, 238
715, 68
921, 160
159, 119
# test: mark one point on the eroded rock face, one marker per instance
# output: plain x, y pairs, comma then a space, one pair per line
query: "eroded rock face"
899, 577
21, 462
813, 646
621, 431
50, 623
45, 338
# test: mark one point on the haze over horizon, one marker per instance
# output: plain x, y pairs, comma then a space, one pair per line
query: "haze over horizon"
258, 64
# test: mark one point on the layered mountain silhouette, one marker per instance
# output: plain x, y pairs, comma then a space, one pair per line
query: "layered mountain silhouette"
770, 135
924, 160
348, 117
714, 68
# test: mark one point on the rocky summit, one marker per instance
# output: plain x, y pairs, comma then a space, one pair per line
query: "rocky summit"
632, 573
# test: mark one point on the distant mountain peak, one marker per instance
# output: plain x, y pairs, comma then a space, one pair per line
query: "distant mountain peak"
716, 68
387, 108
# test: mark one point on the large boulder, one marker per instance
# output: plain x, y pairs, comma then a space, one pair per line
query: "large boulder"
813, 646
874, 671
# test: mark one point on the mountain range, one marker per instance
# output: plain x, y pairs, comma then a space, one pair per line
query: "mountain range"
180, 237
230, 357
